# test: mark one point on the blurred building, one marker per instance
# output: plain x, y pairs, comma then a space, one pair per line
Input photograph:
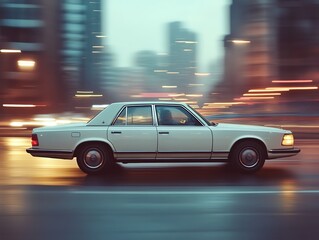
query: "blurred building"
182, 62
50, 49
84, 54
30, 58
72, 20
93, 47
272, 44
297, 38
250, 48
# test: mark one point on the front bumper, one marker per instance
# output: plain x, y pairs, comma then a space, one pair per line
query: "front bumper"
64, 154
278, 153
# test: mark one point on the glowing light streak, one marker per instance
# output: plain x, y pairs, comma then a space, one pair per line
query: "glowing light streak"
225, 103
240, 41
194, 95
84, 92
201, 74
167, 86
10, 51
292, 81
196, 84
176, 94
270, 89
99, 106
18, 105
26, 64
180, 99
303, 88
88, 95
165, 99
261, 94
253, 98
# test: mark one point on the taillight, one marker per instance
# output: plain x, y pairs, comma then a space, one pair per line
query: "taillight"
34, 140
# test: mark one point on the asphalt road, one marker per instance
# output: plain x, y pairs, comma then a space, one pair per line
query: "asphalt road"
52, 199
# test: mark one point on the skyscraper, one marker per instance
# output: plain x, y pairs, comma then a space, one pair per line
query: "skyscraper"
250, 47
272, 43
30, 74
82, 48
93, 47
58, 43
182, 52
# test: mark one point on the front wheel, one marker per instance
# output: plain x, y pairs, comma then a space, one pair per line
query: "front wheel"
94, 158
248, 156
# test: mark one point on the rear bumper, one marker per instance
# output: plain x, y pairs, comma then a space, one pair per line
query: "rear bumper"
50, 153
278, 153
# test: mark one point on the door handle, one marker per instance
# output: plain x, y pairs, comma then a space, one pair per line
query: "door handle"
116, 132
163, 133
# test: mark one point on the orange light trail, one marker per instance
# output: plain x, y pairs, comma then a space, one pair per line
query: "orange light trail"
292, 81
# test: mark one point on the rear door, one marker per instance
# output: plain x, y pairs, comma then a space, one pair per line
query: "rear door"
133, 134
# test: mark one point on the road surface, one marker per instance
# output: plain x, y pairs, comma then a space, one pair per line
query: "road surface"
52, 199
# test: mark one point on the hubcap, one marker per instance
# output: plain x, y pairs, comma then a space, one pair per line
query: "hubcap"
249, 158
93, 159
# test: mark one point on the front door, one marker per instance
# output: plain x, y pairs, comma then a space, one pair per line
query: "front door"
181, 135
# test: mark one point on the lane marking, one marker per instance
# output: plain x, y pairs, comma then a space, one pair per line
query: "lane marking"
244, 192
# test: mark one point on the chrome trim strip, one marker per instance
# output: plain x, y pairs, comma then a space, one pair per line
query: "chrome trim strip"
134, 155
183, 155
155, 120
161, 156
219, 155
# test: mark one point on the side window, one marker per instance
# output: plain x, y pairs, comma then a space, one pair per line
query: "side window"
175, 115
121, 119
135, 115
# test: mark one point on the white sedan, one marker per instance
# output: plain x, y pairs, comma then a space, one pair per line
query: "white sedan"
131, 132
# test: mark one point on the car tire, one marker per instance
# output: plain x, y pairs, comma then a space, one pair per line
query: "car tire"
94, 158
248, 156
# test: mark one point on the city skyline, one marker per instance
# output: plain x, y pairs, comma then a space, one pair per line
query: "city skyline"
139, 25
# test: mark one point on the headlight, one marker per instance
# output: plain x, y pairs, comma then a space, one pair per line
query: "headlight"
287, 140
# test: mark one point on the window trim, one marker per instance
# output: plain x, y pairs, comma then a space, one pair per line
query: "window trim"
177, 105
125, 107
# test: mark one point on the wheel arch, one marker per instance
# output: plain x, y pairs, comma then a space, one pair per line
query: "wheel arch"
253, 139
93, 141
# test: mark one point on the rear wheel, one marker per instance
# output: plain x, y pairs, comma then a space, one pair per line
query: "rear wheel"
248, 156
94, 158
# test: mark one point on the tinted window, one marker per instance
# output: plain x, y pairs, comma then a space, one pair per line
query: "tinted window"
121, 119
175, 115
135, 115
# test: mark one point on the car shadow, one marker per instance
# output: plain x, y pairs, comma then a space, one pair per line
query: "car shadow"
186, 175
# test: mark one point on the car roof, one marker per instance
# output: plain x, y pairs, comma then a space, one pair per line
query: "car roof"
149, 102
106, 116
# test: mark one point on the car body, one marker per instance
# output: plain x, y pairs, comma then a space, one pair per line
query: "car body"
130, 132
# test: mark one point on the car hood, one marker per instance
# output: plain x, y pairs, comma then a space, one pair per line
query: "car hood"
61, 127
235, 127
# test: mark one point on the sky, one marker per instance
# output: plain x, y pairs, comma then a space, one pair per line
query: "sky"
136, 25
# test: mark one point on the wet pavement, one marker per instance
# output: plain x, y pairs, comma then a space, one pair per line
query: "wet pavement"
52, 199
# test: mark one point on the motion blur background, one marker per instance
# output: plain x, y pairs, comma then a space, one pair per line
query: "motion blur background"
239, 60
